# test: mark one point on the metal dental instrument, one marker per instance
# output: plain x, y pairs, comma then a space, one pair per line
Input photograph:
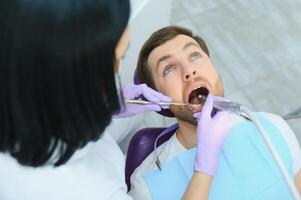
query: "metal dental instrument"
161, 103
221, 105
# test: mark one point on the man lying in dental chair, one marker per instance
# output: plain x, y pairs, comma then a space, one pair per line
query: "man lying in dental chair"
176, 63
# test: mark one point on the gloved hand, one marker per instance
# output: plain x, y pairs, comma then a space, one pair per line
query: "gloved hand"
211, 134
132, 91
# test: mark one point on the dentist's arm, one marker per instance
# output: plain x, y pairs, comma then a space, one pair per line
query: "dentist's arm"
211, 134
132, 91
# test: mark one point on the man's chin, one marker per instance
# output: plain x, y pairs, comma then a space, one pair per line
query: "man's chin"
183, 113
188, 119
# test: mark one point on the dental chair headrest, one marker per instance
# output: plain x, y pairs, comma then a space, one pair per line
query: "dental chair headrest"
164, 112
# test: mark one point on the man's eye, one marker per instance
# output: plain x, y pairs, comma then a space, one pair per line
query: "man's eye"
195, 55
168, 69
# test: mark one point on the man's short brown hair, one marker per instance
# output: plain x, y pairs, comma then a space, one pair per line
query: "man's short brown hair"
157, 39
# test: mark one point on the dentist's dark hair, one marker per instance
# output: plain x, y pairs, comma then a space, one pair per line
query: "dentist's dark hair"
57, 75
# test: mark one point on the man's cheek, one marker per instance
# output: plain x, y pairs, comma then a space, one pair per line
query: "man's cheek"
212, 77
174, 93
163, 90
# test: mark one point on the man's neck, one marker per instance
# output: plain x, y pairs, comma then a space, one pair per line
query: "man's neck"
186, 134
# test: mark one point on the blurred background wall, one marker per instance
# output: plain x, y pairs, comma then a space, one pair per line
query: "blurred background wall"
254, 44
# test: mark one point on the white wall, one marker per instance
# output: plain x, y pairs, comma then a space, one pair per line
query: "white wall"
146, 17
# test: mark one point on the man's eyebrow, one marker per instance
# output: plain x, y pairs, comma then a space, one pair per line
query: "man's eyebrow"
189, 44
163, 58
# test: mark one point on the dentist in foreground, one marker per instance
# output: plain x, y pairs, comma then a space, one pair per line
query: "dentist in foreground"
58, 94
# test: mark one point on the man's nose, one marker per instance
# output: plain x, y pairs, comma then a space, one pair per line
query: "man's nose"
189, 74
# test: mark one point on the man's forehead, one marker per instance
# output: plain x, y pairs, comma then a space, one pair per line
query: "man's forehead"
169, 47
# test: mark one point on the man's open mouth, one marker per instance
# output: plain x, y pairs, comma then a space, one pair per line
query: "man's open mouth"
198, 96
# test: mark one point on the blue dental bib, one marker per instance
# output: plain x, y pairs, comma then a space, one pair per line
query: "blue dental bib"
246, 170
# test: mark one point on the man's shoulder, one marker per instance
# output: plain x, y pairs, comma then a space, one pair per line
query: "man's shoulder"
139, 189
270, 116
166, 151
276, 120
149, 163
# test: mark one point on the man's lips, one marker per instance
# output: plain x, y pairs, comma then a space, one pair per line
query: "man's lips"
197, 88
198, 96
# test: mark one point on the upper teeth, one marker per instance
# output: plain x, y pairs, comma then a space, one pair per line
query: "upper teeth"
197, 87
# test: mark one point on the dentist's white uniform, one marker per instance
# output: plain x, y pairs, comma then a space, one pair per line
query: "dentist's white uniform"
95, 172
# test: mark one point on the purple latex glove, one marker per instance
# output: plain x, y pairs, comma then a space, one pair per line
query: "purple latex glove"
132, 91
211, 134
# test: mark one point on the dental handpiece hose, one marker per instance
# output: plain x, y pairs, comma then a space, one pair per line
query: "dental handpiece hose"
288, 180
